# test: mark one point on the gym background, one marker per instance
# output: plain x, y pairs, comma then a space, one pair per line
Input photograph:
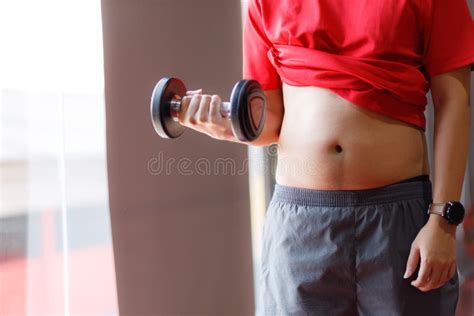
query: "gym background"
100, 216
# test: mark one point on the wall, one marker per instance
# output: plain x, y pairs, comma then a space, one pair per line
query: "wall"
182, 242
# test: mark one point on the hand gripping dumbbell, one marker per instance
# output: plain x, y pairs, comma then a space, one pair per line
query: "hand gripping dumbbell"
246, 108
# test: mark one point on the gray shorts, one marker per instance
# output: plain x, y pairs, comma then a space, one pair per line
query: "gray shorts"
344, 252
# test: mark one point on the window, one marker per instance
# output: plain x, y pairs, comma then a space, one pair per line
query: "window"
56, 252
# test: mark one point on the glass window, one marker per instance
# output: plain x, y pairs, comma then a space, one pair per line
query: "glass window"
56, 254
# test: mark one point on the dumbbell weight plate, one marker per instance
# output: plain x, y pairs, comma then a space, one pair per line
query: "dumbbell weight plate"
165, 90
247, 110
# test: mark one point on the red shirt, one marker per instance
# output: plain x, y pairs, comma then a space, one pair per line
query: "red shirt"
377, 54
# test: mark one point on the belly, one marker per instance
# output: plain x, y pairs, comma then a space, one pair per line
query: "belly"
329, 143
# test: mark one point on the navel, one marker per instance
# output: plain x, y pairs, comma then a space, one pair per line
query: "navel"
338, 148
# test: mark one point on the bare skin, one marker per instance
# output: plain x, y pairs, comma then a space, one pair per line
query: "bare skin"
328, 143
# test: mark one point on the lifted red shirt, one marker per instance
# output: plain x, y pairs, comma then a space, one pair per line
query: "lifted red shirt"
377, 54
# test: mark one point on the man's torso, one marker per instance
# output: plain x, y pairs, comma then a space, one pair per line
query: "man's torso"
328, 143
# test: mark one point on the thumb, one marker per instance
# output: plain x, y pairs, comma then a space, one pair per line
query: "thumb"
412, 261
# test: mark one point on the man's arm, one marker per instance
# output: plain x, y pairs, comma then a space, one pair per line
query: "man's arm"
434, 245
451, 98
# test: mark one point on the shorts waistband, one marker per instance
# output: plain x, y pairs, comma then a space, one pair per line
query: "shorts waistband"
421, 189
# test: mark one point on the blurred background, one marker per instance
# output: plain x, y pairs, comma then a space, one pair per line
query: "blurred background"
56, 254
91, 223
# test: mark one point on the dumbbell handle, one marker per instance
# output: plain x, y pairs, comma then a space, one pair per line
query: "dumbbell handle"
175, 106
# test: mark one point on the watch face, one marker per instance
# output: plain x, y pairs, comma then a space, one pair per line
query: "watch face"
455, 212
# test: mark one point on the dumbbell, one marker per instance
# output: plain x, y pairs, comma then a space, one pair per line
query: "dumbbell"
246, 108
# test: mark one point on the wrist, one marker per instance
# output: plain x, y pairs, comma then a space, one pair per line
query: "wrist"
440, 222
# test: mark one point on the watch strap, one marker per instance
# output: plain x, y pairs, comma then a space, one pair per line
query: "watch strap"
437, 208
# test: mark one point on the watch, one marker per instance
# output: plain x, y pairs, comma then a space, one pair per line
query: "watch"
452, 211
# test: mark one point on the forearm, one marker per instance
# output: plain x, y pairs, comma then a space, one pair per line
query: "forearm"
450, 148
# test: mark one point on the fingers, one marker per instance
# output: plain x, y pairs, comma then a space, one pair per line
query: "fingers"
435, 277
445, 275
189, 107
423, 275
215, 116
433, 274
202, 114
412, 261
